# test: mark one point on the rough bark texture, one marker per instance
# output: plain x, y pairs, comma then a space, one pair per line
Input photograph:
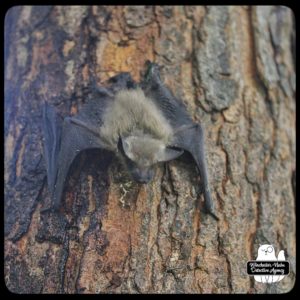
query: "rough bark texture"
234, 68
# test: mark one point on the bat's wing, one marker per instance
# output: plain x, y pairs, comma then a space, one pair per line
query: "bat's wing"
173, 109
64, 140
188, 135
52, 126
191, 139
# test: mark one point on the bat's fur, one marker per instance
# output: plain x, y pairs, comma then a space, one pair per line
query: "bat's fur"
132, 113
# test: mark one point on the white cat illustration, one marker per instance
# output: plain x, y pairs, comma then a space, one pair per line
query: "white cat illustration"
267, 253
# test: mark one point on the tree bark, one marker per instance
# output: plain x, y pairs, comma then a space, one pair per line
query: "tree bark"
234, 67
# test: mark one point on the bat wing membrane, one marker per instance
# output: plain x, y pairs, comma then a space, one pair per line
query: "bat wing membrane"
52, 127
64, 140
173, 109
188, 135
191, 139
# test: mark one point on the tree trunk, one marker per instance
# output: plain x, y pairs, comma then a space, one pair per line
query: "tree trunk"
235, 69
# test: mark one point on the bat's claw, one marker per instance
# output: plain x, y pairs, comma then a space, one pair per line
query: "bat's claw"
210, 211
152, 71
213, 215
209, 207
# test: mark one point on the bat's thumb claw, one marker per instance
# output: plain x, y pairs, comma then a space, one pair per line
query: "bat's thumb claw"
209, 209
214, 216
211, 212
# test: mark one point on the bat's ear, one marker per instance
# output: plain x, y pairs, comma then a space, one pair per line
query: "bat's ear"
169, 154
122, 145
125, 145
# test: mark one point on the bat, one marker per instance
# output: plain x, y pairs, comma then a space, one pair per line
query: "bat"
143, 124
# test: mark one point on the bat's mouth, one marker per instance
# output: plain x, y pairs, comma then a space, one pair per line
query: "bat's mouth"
143, 181
142, 176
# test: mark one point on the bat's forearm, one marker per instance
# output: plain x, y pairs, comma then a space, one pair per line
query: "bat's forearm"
83, 125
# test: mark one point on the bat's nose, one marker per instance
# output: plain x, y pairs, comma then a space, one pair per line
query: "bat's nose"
143, 176
143, 180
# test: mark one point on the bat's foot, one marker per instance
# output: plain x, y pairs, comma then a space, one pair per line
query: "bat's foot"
99, 89
122, 81
152, 72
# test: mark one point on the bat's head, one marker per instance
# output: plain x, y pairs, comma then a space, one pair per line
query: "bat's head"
142, 152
